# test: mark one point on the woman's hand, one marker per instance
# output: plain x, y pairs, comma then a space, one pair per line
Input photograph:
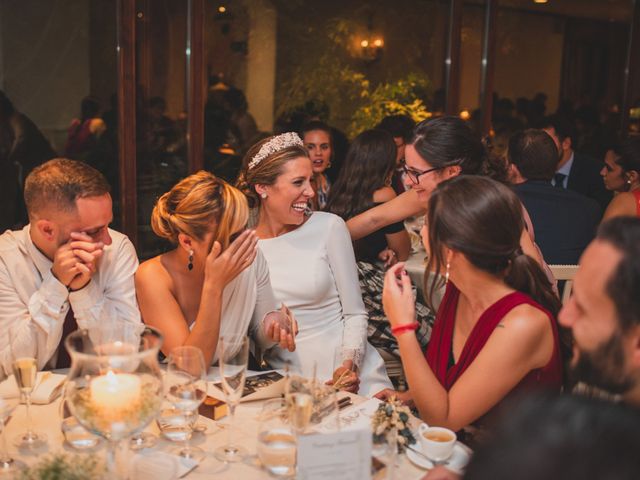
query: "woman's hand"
388, 256
397, 296
346, 379
222, 267
404, 397
281, 327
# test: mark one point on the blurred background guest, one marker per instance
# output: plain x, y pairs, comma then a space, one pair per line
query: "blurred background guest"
621, 173
85, 131
400, 127
362, 184
317, 139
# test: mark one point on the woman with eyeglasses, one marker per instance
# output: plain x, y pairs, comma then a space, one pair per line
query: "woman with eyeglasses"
440, 149
214, 282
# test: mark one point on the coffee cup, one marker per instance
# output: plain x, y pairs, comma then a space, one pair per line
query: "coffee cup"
437, 442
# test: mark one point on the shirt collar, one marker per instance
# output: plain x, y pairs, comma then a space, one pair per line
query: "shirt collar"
42, 263
566, 168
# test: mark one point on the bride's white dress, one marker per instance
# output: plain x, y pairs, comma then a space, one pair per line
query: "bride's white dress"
313, 271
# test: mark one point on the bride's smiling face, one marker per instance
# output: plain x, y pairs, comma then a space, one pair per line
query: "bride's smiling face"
288, 198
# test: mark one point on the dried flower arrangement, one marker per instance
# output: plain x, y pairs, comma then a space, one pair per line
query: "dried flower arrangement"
392, 414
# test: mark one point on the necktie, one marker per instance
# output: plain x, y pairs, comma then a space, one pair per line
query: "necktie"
69, 326
558, 180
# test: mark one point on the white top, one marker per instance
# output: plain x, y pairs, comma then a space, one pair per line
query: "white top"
313, 271
245, 302
34, 304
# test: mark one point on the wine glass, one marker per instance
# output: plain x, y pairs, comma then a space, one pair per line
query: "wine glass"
233, 358
25, 371
7, 464
114, 387
186, 387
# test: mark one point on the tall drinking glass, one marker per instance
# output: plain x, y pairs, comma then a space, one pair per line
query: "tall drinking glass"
7, 464
186, 387
276, 439
233, 357
25, 370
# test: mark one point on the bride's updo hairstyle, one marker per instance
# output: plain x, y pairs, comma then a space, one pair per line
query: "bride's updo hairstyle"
482, 219
197, 204
265, 161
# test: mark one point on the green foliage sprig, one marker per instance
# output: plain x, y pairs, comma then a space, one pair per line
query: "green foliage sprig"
65, 467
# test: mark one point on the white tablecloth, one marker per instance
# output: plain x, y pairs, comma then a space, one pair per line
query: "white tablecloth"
46, 418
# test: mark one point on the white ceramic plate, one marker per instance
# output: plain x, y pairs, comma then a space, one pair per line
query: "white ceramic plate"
456, 463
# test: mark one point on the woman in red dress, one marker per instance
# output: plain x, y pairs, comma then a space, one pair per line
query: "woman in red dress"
495, 332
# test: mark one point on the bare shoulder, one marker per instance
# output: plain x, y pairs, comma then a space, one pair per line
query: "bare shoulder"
153, 272
526, 322
622, 204
384, 194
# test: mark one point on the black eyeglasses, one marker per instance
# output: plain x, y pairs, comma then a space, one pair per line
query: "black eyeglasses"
414, 175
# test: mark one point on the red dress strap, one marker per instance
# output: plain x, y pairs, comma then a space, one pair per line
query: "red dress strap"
441, 344
636, 194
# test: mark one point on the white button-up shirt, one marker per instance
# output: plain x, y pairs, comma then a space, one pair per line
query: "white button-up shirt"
34, 304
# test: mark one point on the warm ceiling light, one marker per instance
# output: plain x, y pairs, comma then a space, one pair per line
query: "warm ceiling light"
222, 9
378, 42
465, 115
364, 43
539, 1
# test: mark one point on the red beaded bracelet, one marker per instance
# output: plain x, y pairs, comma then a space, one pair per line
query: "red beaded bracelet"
407, 327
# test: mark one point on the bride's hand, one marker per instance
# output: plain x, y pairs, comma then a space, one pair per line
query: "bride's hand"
222, 267
280, 327
397, 297
345, 379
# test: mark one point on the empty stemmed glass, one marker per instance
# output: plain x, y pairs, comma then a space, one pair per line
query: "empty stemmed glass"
186, 389
233, 357
7, 464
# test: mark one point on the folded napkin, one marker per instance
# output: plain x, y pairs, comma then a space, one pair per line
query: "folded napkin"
48, 387
155, 465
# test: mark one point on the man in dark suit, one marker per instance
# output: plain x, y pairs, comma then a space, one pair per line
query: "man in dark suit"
575, 171
564, 221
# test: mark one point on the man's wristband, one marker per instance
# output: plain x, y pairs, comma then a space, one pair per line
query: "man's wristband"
407, 327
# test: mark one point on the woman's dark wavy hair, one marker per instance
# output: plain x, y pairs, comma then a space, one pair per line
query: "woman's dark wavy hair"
448, 141
482, 219
367, 167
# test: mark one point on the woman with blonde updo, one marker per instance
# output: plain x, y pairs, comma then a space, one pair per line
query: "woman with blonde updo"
312, 269
215, 282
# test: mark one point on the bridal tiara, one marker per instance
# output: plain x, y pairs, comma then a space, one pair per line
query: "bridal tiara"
277, 143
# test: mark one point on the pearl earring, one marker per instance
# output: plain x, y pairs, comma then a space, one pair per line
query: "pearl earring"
263, 195
446, 274
190, 264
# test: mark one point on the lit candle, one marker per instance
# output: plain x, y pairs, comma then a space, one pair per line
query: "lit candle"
115, 390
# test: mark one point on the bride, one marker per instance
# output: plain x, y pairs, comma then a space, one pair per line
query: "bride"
312, 269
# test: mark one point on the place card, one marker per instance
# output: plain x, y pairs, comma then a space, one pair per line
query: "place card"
156, 465
342, 455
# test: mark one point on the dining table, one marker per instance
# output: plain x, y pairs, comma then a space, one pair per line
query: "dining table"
47, 419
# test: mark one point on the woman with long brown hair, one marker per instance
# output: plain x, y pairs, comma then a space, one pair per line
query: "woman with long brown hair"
495, 333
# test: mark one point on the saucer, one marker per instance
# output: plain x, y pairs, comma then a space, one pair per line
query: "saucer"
456, 462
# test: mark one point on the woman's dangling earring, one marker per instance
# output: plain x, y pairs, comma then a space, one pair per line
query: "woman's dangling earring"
190, 264
446, 274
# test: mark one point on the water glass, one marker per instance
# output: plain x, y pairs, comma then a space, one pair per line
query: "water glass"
276, 440
8, 465
186, 390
